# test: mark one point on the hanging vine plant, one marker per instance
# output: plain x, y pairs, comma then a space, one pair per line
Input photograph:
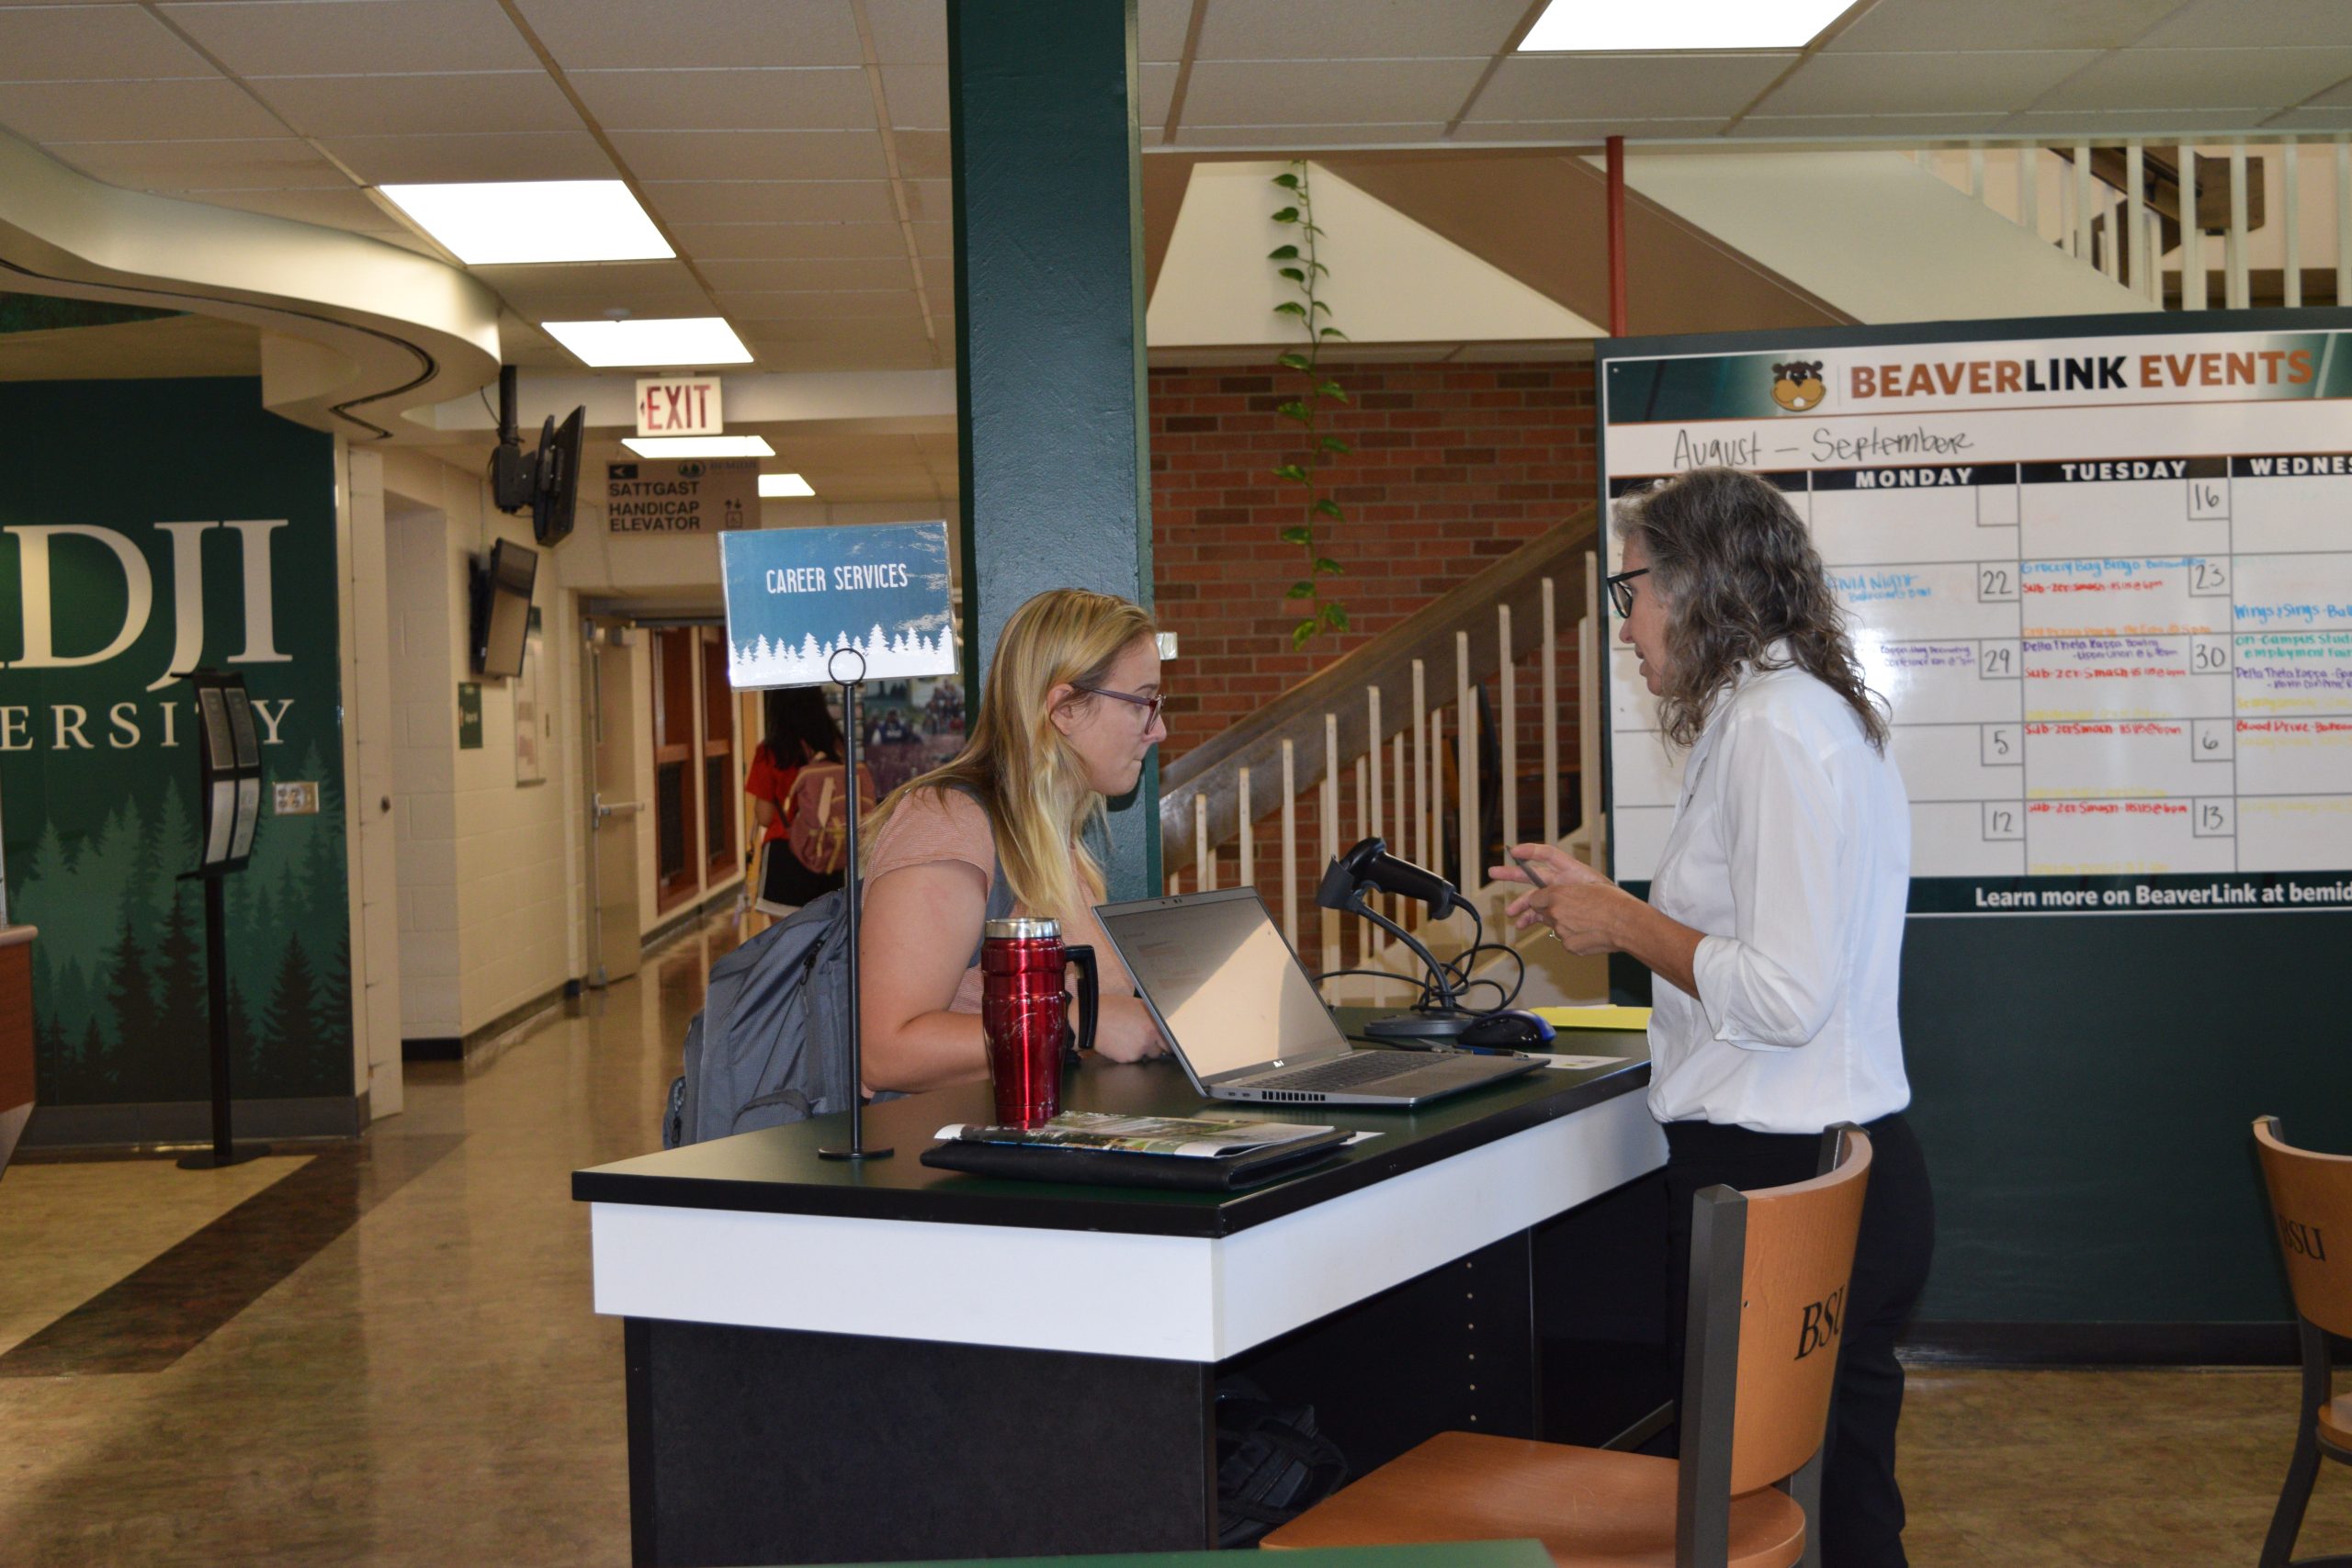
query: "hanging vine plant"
1297, 266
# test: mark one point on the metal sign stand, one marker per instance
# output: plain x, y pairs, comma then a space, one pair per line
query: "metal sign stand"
850, 687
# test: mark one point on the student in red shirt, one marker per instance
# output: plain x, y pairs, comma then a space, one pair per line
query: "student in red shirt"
800, 730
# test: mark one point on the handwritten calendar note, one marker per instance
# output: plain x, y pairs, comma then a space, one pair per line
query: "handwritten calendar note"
2104, 581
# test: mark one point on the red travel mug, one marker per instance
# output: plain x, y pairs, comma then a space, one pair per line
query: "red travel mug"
1024, 1015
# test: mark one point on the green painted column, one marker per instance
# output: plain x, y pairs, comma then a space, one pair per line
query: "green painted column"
1049, 363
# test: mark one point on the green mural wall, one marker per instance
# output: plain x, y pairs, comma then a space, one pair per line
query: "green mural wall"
145, 528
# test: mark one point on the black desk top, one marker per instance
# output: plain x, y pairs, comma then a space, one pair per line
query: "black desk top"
776, 1169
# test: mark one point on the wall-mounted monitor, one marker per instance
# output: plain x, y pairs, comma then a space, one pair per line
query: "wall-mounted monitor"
501, 608
555, 496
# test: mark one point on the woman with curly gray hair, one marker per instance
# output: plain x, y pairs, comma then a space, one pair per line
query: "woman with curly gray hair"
1773, 927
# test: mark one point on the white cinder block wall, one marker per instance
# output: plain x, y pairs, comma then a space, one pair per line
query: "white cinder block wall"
486, 909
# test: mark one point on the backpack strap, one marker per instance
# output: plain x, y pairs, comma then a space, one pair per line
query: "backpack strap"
1000, 890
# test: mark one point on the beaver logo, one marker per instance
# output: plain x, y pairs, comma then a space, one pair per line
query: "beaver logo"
1797, 385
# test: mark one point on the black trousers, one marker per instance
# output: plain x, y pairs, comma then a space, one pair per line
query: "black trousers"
1862, 1507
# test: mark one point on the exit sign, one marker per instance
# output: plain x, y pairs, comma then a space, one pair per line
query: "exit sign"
675, 407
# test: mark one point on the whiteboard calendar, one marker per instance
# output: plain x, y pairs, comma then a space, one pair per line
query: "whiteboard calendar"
2104, 581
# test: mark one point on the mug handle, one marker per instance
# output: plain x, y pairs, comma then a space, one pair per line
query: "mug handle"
1081, 957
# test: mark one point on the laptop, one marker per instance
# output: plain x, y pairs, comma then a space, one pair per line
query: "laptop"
1244, 1018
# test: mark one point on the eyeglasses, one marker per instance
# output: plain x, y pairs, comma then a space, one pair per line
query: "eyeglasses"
1152, 705
1620, 589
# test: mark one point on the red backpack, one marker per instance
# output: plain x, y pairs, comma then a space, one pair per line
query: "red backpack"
817, 808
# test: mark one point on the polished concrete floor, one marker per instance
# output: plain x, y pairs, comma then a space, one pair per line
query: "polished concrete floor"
385, 1354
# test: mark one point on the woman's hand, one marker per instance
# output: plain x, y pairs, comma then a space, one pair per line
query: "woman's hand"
1124, 1030
1585, 910
1590, 914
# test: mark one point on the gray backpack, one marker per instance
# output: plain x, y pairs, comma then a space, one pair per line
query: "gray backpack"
770, 1044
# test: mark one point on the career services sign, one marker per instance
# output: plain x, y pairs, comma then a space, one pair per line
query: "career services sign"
799, 597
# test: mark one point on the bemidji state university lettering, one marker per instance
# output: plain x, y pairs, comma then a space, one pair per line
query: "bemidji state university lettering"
122, 725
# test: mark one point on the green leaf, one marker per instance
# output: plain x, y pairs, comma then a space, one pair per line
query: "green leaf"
1300, 633
1330, 332
1326, 566
1290, 308
1298, 413
1336, 617
1333, 390
1288, 181
1327, 507
1295, 361
1333, 444
1300, 589
1287, 215
1322, 306
1291, 472
1294, 273
1296, 533
1319, 267
1282, 252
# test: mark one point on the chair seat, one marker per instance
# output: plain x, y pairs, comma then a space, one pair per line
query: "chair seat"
2335, 1422
1591, 1508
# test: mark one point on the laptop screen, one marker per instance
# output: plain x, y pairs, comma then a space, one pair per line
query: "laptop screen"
1223, 979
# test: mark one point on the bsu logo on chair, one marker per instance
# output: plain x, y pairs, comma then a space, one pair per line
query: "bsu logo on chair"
1820, 1328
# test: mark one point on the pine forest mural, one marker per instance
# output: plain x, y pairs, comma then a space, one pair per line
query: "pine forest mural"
215, 545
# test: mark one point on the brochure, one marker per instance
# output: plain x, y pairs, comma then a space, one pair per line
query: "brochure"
1185, 1137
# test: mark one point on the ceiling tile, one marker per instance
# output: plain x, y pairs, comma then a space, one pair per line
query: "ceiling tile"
1584, 130
2157, 125
1922, 84
547, 280
738, 274
2333, 117
64, 43
2285, 24
917, 96
2000, 24
1155, 85
626, 34
2334, 96
935, 238
2200, 78
753, 154
352, 37
589, 306
1370, 29
752, 305
490, 155
1159, 29
1870, 125
931, 200
1647, 86
772, 201
273, 162
765, 98
415, 104
924, 154
1277, 139
908, 32
869, 329
133, 111
1262, 92
717, 241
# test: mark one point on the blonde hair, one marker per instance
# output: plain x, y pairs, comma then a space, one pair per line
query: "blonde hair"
1024, 770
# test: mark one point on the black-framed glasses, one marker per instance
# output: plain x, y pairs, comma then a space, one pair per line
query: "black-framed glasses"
1620, 589
1152, 705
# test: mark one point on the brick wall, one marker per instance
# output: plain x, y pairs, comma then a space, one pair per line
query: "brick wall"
1452, 466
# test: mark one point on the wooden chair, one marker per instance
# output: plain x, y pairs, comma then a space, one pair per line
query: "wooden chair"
2311, 1200
1769, 1272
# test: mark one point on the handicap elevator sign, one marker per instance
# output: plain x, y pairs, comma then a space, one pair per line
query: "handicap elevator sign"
806, 606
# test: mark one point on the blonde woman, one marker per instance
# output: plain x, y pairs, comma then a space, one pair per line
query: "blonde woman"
1068, 714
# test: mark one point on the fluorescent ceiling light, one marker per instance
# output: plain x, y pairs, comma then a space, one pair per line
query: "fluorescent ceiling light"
1666, 26
699, 446
656, 341
783, 485
534, 221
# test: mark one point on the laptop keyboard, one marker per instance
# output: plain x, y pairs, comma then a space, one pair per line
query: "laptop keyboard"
1348, 1072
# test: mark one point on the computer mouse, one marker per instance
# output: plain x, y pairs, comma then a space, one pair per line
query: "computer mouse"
1513, 1031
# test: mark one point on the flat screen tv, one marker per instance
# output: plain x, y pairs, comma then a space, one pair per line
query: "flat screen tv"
555, 495
502, 617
